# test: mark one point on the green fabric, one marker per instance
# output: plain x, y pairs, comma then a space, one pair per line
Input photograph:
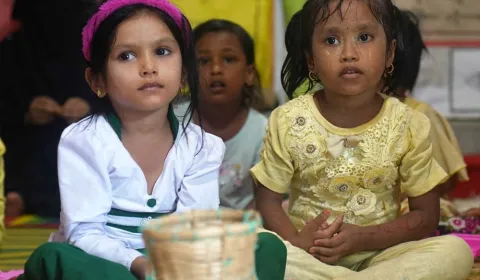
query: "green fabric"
270, 257
114, 121
60, 261
133, 229
122, 213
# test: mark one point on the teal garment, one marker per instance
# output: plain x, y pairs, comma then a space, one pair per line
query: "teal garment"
242, 152
60, 261
114, 121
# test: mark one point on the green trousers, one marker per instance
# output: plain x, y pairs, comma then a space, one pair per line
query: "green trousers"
60, 261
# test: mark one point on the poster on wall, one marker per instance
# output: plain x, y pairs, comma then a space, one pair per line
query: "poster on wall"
465, 85
446, 20
450, 73
256, 16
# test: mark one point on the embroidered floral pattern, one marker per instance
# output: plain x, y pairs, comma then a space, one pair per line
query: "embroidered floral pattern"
348, 179
363, 202
343, 187
379, 179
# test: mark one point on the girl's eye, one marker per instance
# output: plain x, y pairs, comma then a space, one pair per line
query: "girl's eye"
230, 59
203, 60
126, 56
163, 51
365, 37
332, 41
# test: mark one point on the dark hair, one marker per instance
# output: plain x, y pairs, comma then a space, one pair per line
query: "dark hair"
408, 55
299, 33
104, 39
253, 96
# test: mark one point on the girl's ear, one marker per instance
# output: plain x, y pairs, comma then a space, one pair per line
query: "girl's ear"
310, 62
391, 54
250, 77
95, 81
184, 80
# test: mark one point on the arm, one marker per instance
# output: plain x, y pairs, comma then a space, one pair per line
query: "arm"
445, 188
273, 174
275, 218
419, 174
86, 196
199, 188
415, 225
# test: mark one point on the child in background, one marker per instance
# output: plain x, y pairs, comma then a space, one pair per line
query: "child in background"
445, 149
229, 90
347, 151
132, 160
50, 94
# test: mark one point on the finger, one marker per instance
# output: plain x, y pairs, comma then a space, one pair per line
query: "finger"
326, 252
327, 260
320, 219
325, 243
335, 226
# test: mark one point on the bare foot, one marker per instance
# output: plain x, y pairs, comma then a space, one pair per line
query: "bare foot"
473, 212
14, 207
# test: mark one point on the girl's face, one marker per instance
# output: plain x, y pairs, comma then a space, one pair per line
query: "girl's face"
223, 68
144, 67
349, 50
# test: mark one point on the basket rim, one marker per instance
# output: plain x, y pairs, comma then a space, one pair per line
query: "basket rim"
169, 227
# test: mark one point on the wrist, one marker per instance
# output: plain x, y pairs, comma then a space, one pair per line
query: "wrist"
139, 267
365, 238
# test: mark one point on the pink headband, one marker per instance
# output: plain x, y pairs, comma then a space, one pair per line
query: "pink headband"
109, 7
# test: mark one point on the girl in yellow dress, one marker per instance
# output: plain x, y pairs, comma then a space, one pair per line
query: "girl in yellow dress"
345, 154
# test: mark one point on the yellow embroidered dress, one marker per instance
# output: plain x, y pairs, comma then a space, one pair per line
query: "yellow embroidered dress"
358, 171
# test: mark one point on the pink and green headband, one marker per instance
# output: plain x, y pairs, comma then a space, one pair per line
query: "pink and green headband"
109, 7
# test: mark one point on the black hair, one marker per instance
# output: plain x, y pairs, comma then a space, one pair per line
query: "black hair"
299, 34
253, 96
104, 39
408, 54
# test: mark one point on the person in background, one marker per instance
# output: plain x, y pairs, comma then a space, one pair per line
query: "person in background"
7, 26
50, 94
229, 91
445, 148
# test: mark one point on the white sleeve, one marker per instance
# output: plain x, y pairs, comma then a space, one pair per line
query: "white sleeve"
199, 188
86, 197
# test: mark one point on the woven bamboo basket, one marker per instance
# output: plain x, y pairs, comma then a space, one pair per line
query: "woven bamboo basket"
203, 244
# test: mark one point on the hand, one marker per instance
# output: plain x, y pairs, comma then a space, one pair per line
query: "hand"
7, 25
74, 109
305, 238
14, 206
347, 241
140, 268
42, 110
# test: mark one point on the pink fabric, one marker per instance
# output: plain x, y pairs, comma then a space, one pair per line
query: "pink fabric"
10, 274
109, 7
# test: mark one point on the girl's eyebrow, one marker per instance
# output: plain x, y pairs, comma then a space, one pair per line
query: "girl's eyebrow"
131, 45
358, 27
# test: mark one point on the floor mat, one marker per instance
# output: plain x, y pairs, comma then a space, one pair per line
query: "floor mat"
23, 235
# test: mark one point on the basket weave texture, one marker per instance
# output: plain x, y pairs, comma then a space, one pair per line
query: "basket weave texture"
203, 244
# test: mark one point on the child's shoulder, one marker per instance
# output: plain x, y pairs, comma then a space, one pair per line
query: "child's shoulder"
416, 121
295, 106
86, 126
256, 119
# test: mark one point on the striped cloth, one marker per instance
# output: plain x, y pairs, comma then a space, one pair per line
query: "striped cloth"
23, 235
